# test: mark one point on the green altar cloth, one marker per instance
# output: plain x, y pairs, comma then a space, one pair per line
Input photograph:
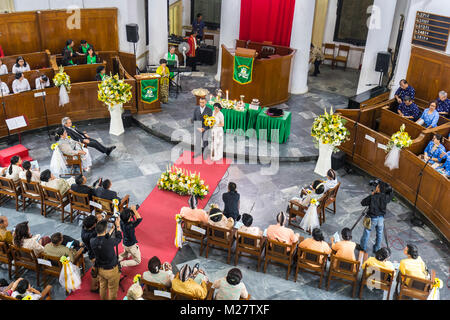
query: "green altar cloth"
283, 124
235, 120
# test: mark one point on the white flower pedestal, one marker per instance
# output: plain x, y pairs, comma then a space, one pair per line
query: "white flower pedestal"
393, 158
324, 161
116, 124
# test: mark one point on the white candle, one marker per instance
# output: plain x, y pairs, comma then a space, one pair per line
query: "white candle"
227, 94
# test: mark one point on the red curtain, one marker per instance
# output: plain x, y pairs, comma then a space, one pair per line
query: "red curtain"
267, 20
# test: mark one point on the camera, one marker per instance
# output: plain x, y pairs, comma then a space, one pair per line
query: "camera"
387, 187
374, 183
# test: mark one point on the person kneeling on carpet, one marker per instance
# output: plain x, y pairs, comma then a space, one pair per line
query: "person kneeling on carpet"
129, 220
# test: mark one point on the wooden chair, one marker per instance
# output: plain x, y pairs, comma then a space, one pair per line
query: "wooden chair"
56, 266
296, 209
344, 270
5, 257
25, 259
280, 252
247, 245
331, 199
10, 190
151, 287
384, 279
221, 239
181, 296
327, 54
79, 204
31, 193
108, 206
342, 58
45, 295
53, 200
414, 288
311, 261
194, 236
73, 162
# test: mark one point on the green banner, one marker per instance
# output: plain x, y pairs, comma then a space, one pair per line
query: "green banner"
243, 70
149, 90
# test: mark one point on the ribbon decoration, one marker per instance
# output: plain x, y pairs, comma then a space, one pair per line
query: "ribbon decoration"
116, 205
438, 284
179, 239
66, 265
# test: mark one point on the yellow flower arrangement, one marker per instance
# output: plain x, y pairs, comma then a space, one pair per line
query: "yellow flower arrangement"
62, 79
314, 202
54, 146
137, 278
113, 91
400, 139
182, 182
329, 128
28, 297
209, 121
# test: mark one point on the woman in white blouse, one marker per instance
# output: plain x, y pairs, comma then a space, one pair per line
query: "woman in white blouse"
28, 174
42, 82
20, 66
4, 89
3, 68
13, 170
24, 239
21, 84
331, 180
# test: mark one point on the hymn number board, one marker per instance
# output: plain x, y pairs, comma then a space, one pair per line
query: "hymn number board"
431, 31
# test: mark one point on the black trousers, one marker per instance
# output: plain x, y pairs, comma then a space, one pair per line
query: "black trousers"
192, 62
316, 67
97, 145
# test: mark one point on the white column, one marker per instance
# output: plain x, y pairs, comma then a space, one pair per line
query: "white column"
158, 33
380, 27
301, 41
230, 21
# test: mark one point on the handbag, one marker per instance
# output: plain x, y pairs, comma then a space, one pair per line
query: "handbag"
367, 222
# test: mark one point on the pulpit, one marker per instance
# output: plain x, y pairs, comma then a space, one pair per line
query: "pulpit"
148, 91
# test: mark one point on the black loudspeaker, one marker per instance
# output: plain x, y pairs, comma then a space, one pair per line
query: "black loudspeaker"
383, 61
127, 119
338, 160
132, 32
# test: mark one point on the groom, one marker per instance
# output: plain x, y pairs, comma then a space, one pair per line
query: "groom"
199, 114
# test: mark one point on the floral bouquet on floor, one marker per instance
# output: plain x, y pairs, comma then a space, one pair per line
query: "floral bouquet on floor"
62, 81
183, 182
112, 91
398, 141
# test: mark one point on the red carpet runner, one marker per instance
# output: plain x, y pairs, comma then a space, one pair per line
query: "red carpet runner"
156, 233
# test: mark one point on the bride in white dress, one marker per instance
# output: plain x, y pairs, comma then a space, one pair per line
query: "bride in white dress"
217, 134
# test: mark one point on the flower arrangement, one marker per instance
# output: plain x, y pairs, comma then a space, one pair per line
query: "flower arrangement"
314, 202
400, 139
330, 129
183, 182
137, 278
209, 121
62, 79
113, 91
200, 92
54, 146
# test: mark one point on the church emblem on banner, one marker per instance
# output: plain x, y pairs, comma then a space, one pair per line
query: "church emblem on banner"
149, 90
243, 70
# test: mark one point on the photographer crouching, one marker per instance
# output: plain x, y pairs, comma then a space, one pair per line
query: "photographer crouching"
106, 263
129, 220
377, 203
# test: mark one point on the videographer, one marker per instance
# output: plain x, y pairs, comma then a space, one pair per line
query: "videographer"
106, 263
377, 203
129, 220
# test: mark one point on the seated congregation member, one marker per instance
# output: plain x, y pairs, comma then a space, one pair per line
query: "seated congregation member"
246, 227
157, 273
379, 261
28, 174
230, 287
331, 182
192, 213
434, 152
4, 89
5, 234
13, 170
3, 68
84, 47
404, 90
430, 117
68, 53
218, 219
20, 84
231, 200
101, 73
316, 243
129, 220
413, 265
445, 167
42, 82
20, 66
71, 147
443, 104
409, 110
280, 233
135, 292
184, 283
104, 192
83, 137
91, 57
22, 238
315, 191
80, 186
50, 181
346, 247
57, 249
22, 288
164, 82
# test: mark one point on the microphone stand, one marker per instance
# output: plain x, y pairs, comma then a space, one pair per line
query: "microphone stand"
416, 220
45, 111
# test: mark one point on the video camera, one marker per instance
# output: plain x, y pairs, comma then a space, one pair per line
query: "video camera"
374, 183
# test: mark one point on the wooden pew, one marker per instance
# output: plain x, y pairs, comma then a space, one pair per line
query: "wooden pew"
30, 76
82, 73
391, 122
36, 60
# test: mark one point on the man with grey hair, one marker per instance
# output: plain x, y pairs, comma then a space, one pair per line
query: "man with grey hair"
83, 137
443, 104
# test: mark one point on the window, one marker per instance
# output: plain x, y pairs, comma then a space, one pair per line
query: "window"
210, 9
351, 21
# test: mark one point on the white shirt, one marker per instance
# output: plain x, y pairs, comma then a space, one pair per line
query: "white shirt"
39, 84
15, 175
330, 184
202, 109
4, 88
3, 69
20, 86
16, 69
